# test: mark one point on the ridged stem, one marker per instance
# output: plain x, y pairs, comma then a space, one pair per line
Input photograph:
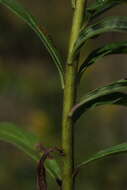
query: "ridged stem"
69, 99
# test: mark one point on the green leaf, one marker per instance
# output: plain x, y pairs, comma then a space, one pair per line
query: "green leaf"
32, 23
113, 150
99, 7
95, 55
26, 142
101, 96
110, 24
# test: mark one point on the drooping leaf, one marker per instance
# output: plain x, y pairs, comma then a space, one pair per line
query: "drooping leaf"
113, 150
41, 33
101, 96
26, 142
99, 7
41, 173
95, 55
110, 24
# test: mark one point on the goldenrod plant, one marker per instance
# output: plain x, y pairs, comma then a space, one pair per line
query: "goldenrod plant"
84, 15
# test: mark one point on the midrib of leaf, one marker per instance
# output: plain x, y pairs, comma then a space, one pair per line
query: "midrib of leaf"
106, 95
105, 90
98, 8
27, 143
117, 149
110, 24
108, 49
20, 144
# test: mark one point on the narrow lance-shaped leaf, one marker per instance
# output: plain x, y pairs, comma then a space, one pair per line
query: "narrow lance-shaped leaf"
95, 55
31, 21
110, 24
99, 7
113, 150
101, 96
27, 142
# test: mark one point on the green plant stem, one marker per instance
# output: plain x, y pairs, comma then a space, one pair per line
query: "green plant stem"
69, 99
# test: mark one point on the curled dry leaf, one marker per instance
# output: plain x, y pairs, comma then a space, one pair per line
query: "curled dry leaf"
41, 172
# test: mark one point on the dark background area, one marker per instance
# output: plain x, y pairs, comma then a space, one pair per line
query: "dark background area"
30, 96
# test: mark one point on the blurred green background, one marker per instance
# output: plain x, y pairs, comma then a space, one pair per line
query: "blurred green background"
30, 95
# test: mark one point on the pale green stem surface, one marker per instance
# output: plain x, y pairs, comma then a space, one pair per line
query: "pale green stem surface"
69, 99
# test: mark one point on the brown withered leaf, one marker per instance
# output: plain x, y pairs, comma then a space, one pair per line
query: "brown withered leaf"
41, 172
